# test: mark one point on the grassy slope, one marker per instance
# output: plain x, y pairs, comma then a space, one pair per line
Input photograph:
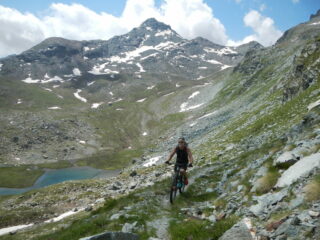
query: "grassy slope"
267, 115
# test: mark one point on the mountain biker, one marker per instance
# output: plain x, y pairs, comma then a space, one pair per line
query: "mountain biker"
184, 157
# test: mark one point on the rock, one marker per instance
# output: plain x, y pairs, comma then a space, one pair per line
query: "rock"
239, 231
133, 185
240, 187
133, 173
314, 213
300, 169
88, 208
266, 200
212, 218
274, 225
100, 200
296, 202
115, 216
129, 227
221, 216
112, 236
287, 229
116, 186
209, 190
296, 221
286, 158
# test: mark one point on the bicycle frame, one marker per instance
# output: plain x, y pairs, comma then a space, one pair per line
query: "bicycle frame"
177, 183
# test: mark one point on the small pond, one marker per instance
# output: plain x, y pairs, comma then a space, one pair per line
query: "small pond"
54, 176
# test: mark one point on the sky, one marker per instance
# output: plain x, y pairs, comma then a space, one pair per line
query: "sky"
24, 24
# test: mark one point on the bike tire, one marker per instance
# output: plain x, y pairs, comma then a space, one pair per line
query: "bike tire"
181, 190
173, 190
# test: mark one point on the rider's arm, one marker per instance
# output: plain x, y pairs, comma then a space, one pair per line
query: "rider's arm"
190, 157
171, 155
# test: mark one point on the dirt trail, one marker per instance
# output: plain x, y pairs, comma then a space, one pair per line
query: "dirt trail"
161, 224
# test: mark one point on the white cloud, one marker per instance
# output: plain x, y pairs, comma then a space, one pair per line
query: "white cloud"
20, 31
264, 29
190, 18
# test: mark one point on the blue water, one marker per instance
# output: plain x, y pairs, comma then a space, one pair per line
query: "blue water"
60, 175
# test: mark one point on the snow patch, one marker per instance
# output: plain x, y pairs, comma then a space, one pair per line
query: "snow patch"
208, 115
62, 216
101, 70
7, 230
76, 72
30, 80
184, 106
86, 49
82, 142
76, 94
168, 94
193, 95
301, 168
140, 67
192, 124
141, 100
19, 101
96, 105
151, 87
316, 23
225, 67
220, 52
152, 161
144, 134
151, 55
54, 79
47, 89
90, 83
163, 33
213, 61
202, 67
54, 108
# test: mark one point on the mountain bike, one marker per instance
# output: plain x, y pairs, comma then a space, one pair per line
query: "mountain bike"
177, 182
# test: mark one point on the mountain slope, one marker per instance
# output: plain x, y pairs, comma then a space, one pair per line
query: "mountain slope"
250, 127
96, 94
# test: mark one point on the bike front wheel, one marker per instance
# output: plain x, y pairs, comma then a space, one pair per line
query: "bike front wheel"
173, 190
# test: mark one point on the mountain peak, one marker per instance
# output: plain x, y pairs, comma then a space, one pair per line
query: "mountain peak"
315, 15
154, 24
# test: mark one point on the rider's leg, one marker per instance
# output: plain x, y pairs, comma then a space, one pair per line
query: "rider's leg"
184, 173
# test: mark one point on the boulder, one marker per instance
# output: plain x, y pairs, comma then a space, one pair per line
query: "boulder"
300, 169
112, 236
265, 201
286, 158
239, 231
129, 227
